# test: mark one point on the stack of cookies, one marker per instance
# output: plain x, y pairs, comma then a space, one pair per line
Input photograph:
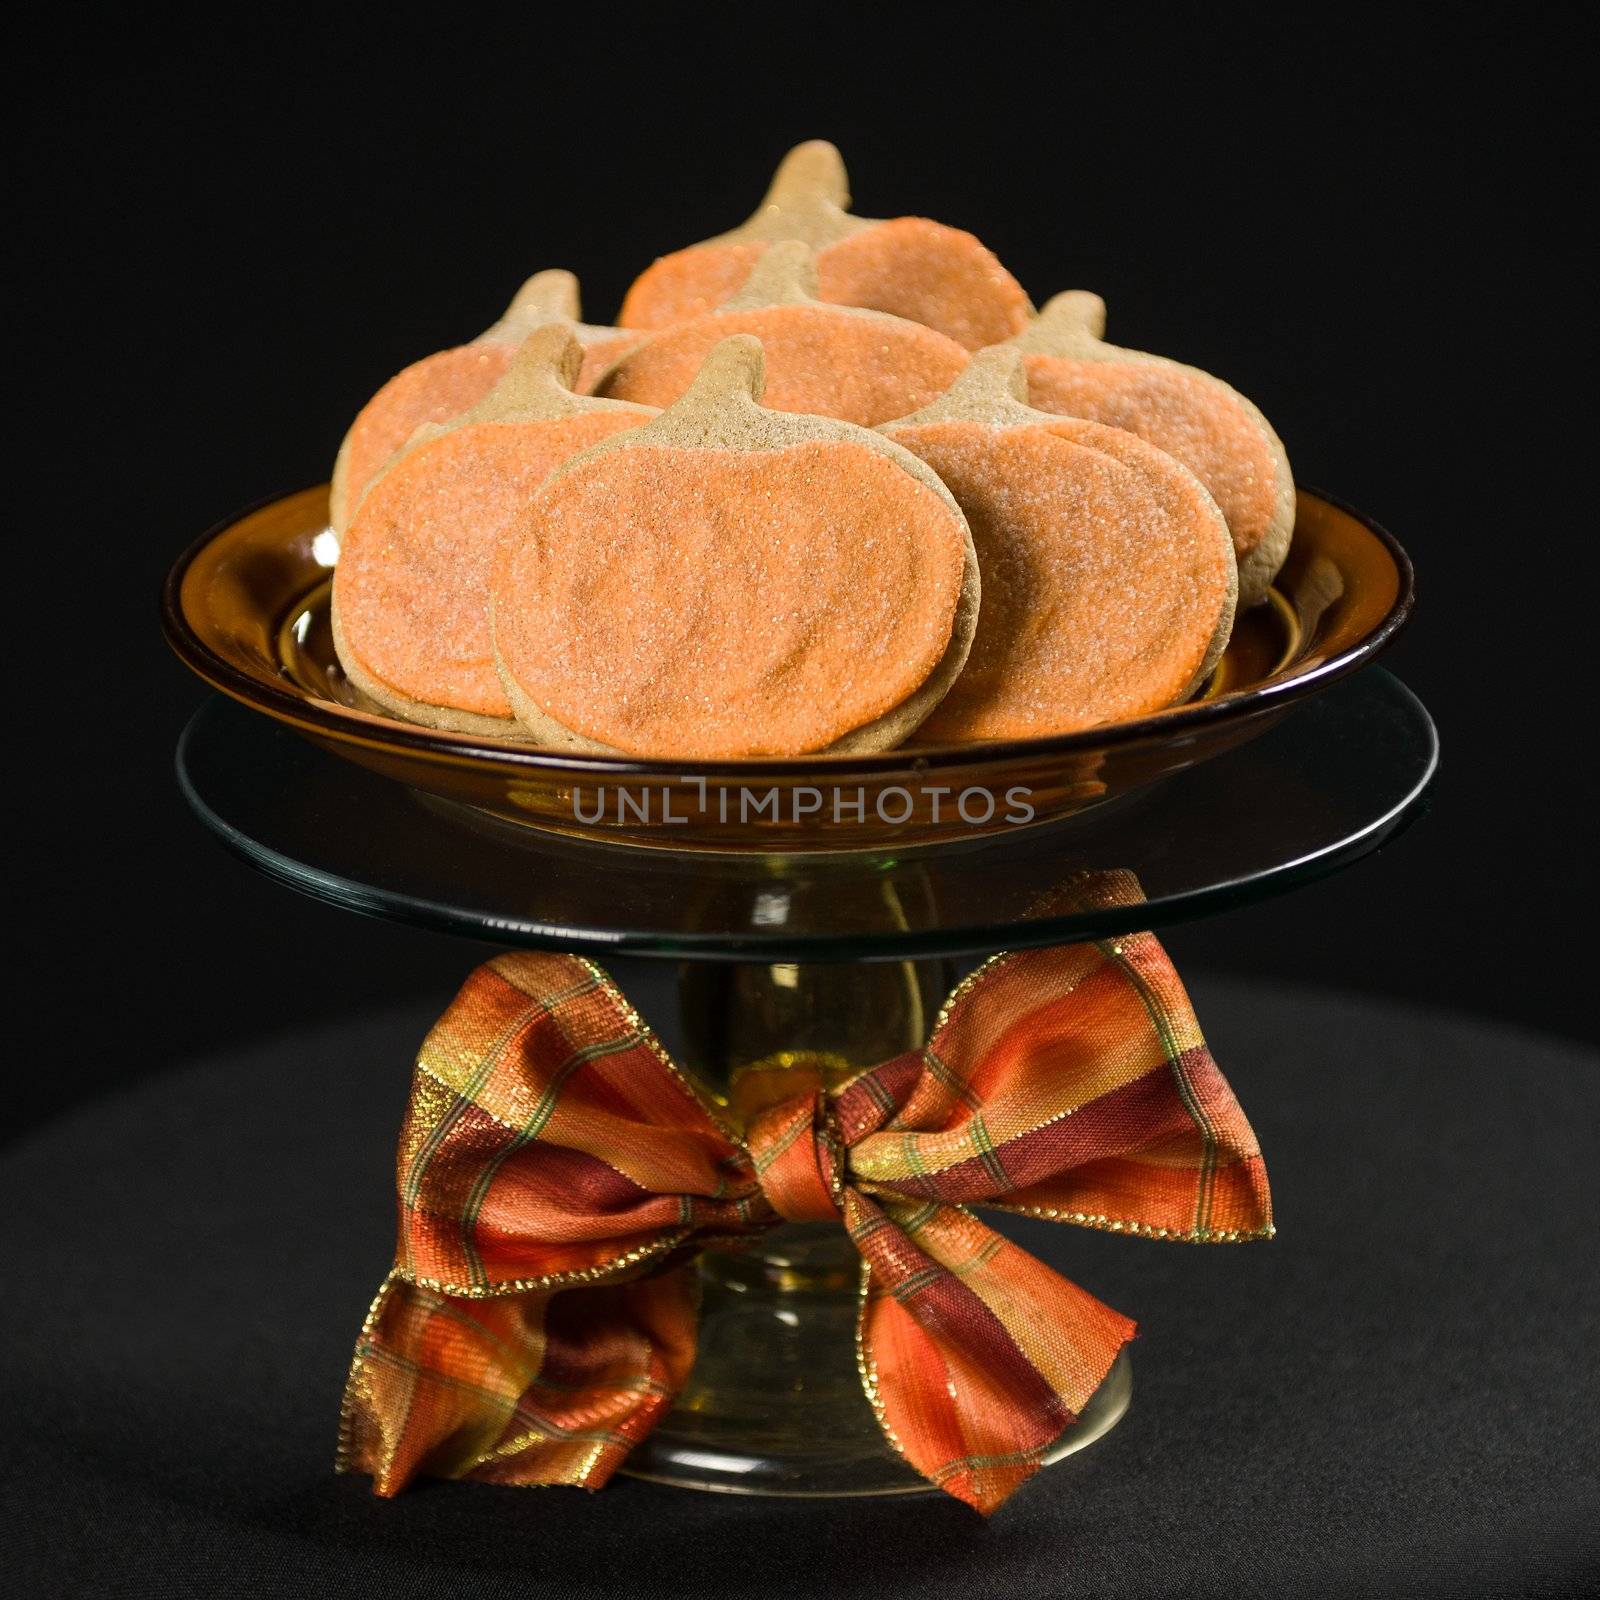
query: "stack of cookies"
829, 485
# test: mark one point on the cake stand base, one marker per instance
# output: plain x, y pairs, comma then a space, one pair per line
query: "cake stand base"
775, 1406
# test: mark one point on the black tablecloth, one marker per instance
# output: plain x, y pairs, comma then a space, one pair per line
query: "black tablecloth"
1397, 1396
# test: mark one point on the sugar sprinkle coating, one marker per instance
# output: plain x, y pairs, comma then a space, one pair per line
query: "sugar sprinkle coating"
710, 603
821, 361
411, 585
927, 272
831, 361
1210, 427
688, 283
1180, 413
912, 267
432, 390
439, 387
1106, 573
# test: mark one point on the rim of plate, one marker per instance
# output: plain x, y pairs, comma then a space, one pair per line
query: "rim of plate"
287, 704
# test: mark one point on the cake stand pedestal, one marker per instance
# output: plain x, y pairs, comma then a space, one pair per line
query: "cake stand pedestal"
846, 955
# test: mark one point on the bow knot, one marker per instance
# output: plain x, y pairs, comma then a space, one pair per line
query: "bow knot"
558, 1172
794, 1142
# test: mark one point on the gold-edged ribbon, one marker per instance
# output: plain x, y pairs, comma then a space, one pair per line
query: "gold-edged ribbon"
558, 1173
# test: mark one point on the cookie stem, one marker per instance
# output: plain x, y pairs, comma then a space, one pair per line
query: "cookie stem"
545, 297
733, 372
536, 387
1070, 323
539, 381
993, 389
785, 275
811, 174
808, 199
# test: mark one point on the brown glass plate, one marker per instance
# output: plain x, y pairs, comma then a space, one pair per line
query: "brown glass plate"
247, 608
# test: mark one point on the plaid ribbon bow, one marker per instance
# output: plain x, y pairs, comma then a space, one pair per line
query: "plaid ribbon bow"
557, 1173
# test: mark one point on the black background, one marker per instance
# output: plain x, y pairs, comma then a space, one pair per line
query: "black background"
230, 237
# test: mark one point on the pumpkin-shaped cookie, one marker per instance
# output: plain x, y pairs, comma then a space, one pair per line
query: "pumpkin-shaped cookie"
443, 385
730, 581
910, 267
410, 590
1211, 428
1108, 573
832, 361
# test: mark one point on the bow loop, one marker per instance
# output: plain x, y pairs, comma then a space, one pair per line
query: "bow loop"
550, 1140
1074, 1083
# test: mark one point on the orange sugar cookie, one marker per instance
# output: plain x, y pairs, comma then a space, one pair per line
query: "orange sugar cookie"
910, 267
449, 382
730, 581
410, 590
1211, 428
833, 361
1108, 573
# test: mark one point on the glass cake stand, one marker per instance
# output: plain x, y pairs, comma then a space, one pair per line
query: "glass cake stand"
845, 953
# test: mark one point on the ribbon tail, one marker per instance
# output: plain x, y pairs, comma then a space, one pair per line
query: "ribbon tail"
540, 1387
975, 1355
